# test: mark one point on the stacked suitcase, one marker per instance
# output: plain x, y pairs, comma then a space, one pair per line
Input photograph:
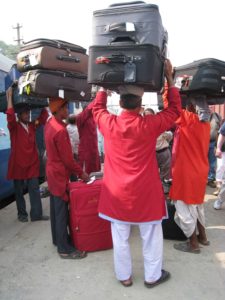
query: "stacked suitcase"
19, 100
203, 78
129, 47
54, 68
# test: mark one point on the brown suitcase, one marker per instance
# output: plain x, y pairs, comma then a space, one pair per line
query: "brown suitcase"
46, 83
53, 55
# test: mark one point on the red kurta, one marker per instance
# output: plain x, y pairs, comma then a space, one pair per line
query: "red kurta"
88, 147
23, 160
132, 190
60, 161
190, 159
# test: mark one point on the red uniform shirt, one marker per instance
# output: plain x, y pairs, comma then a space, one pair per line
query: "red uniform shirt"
132, 189
23, 160
60, 161
88, 147
190, 159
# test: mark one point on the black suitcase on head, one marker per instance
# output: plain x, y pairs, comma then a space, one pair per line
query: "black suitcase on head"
142, 65
21, 101
129, 46
202, 77
46, 83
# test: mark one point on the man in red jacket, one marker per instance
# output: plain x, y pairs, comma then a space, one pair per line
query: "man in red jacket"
132, 191
60, 166
88, 147
23, 161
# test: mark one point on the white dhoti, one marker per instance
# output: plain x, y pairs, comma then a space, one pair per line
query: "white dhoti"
186, 216
152, 248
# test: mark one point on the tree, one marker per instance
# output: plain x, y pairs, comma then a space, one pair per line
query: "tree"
10, 51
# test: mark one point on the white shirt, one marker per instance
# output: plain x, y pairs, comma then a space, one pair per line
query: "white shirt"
74, 137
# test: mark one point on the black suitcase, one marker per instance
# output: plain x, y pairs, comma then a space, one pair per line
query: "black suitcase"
46, 83
53, 55
186, 99
131, 22
142, 65
171, 230
22, 100
202, 77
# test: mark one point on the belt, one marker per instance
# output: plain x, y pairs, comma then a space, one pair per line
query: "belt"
162, 150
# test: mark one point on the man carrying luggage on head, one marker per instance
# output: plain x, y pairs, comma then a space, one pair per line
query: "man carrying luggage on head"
60, 166
24, 162
132, 191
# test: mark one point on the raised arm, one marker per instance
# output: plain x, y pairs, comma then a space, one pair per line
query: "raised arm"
11, 118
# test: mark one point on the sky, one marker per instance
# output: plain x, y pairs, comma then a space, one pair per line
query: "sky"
195, 27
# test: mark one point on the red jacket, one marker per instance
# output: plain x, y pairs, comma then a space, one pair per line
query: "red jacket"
190, 159
60, 161
88, 147
23, 160
132, 189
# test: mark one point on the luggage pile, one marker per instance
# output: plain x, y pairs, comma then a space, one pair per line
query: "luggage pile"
203, 78
129, 47
54, 68
19, 100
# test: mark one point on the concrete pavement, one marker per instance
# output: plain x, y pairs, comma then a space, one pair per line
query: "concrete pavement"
30, 268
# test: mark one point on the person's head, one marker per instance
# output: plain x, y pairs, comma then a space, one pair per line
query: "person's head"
131, 97
23, 114
59, 108
149, 111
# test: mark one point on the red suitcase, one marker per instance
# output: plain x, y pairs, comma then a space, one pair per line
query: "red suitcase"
88, 231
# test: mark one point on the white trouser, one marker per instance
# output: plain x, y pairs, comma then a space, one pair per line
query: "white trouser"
186, 217
152, 249
220, 168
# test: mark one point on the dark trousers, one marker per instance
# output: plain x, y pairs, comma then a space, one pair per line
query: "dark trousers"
59, 215
35, 199
212, 161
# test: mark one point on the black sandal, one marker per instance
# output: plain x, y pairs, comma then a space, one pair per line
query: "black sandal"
73, 255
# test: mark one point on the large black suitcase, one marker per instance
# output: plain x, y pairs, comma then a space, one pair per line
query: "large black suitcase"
133, 22
53, 55
171, 230
129, 46
142, 65
202, 77
46, 83
22, 100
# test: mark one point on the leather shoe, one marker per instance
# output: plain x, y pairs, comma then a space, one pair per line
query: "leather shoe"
42, 218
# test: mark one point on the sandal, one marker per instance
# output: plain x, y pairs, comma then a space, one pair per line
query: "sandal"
127, 282
73, 255
186, 247
164, 277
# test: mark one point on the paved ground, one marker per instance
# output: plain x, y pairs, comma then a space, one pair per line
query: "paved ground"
30, 268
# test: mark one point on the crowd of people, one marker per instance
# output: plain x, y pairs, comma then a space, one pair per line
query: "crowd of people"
147, 156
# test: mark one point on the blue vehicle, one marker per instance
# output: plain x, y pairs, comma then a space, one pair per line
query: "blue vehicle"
6, 186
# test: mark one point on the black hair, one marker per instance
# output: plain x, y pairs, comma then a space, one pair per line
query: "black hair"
130, 101
150, 110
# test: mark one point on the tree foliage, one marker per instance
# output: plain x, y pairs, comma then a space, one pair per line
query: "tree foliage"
10, 51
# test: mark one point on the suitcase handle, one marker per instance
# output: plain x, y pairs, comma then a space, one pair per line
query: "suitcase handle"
120, 27
127, 3
68, 58
116, 58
